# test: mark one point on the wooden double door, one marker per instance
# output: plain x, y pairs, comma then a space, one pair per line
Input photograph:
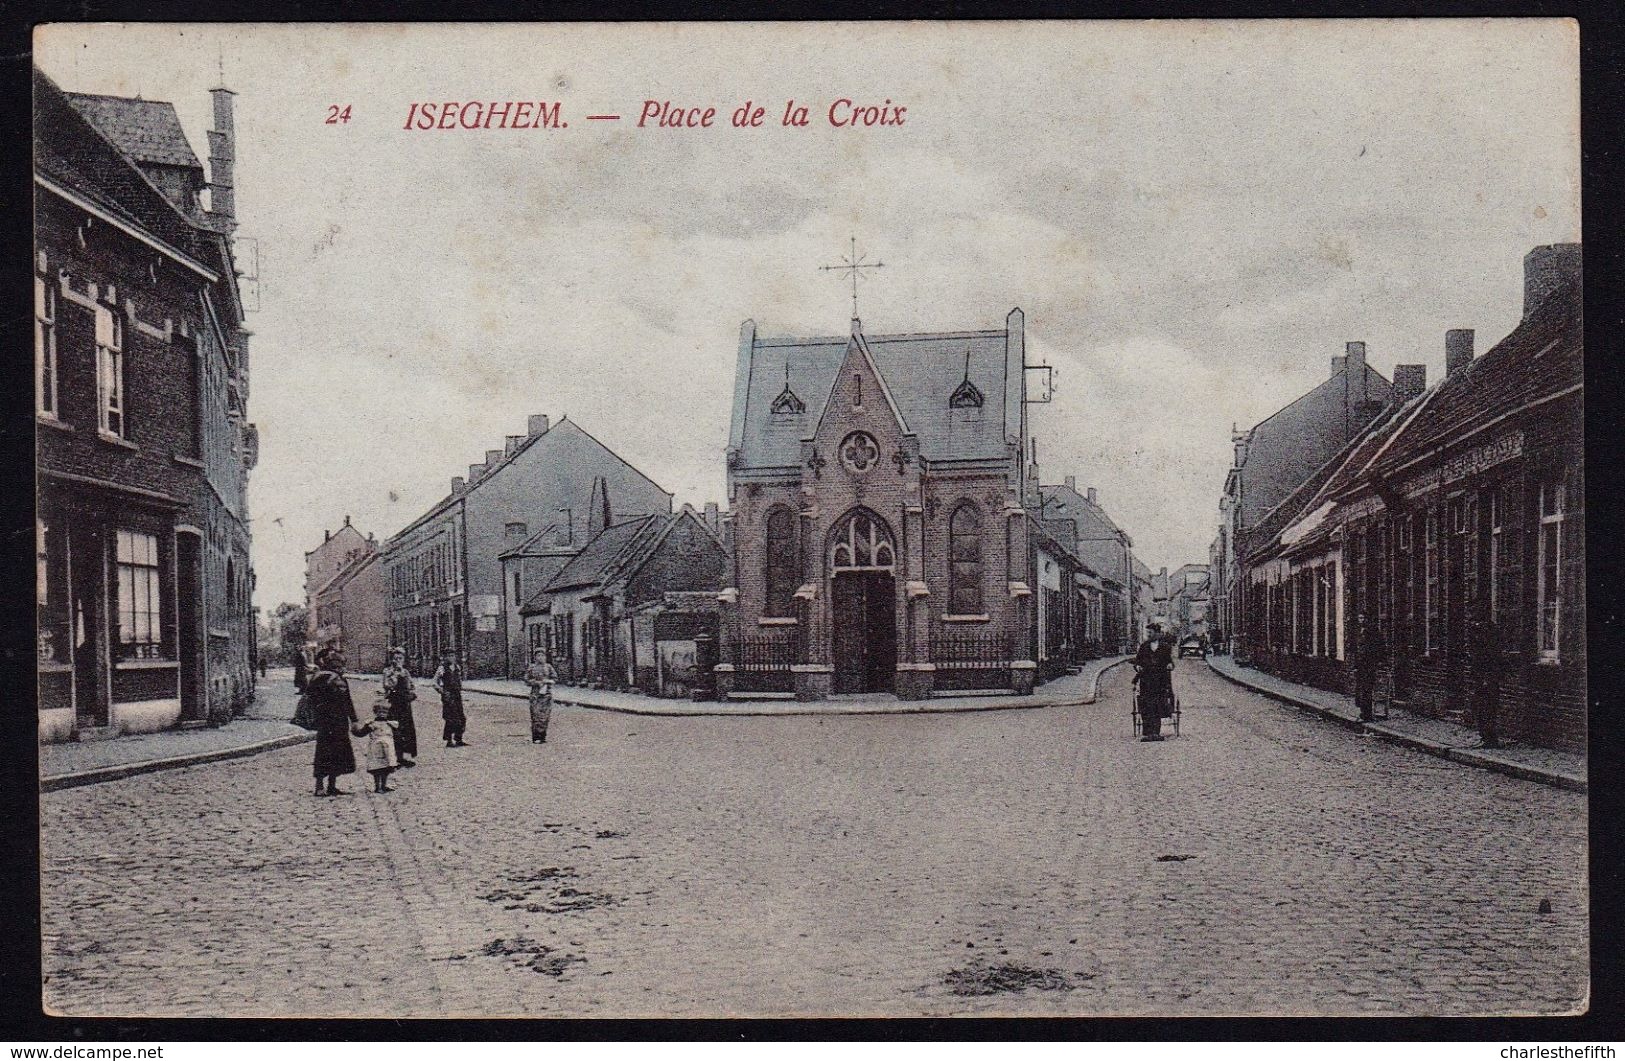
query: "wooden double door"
864, 641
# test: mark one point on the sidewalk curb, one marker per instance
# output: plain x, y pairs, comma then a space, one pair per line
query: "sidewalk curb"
994, 703
1464, 756
148, 766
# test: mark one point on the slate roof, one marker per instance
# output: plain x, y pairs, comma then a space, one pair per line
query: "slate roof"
597, 559
349, 570
146, 130
1542, 357
921, 371
72, 150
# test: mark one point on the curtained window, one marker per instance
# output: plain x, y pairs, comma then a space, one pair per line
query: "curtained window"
140, 616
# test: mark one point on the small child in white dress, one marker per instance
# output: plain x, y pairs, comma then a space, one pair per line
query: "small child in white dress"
380, 734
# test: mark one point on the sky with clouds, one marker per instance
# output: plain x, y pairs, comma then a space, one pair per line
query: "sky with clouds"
1194, 217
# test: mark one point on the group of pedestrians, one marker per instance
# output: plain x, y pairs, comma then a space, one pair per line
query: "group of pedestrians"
391, 733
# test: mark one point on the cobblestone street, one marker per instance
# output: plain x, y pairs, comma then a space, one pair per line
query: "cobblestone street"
1025, 862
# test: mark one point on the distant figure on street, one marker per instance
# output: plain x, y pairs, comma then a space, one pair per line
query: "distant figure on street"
448, 682
1368, 651
300, 670
400, 694
1153, 674
334, 712
1484, 656
380, 734
263, 666
540, 676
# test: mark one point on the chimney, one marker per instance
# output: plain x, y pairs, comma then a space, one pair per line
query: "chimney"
456, 485
222, 154
492, 458
1337, 365
327, 535
347, 520
1091, 495
474, 473
1409, 381
713, 517
512, 443
536, 425
1458, 350
1546, 269
1072, 483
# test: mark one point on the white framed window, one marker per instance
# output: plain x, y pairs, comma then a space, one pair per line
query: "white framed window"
112, 416
45, 394
1549, 571
1496, 513
140, 612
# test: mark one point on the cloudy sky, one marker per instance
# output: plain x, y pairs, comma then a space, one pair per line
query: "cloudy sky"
1194, 216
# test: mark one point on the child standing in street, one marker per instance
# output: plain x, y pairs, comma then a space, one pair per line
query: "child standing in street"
380, 734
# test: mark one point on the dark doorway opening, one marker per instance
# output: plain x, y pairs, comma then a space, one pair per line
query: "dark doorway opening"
189, 633
865, 631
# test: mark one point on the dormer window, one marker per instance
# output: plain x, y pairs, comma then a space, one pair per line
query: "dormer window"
966, 396
787, 403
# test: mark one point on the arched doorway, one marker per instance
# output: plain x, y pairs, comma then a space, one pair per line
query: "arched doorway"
863, 602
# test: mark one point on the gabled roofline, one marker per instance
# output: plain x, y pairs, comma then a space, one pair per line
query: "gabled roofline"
554, 585
835, 383
129, 228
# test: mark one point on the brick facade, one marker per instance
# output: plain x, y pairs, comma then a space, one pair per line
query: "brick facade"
143, 449
871, 501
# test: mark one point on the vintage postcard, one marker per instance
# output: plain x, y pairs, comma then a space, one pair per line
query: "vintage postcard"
758, 520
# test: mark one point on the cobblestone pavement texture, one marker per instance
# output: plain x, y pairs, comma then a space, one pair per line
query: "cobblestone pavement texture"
266, 720
1403, 725
1029, 862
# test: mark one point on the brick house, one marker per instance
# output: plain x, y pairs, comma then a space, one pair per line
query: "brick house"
1105, 551
1279, 454
588, 615
1456, 525
445, 569
878, 493
337, 551
143, 449
352, 612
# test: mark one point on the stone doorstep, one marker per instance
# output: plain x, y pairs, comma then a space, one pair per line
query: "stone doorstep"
1465, 756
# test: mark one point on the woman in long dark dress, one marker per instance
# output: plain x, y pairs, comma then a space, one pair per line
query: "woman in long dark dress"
400, 694
328, 694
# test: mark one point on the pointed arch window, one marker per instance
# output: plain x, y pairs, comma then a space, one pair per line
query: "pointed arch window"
965, 560
862, 544
783, 576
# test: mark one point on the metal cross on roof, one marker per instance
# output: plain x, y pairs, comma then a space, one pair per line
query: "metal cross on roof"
850, 264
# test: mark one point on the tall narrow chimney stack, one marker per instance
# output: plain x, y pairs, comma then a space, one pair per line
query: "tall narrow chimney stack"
1091, 496
1458, 350
222, 159
1072, 483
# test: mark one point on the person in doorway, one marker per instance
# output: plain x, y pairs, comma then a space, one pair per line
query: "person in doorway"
540, 676
1487, 664
398, 690
334, 713
1153, 676
380, 734
448, 682
1368, 649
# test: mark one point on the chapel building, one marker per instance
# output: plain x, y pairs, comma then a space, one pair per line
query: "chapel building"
879, 518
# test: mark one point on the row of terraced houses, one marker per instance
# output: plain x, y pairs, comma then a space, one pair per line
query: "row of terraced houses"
1438, 531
